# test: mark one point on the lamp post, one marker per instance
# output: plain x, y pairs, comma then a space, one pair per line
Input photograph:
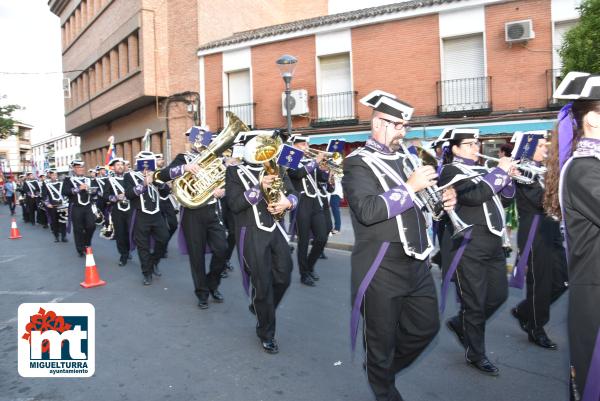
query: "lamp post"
287, 65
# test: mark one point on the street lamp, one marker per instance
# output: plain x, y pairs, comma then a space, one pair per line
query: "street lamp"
287, 65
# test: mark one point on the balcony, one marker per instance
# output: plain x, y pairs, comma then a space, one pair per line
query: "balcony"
334, 109
464, 97
244, 111
553, 79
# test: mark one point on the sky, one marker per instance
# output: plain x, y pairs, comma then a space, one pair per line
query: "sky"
30, 42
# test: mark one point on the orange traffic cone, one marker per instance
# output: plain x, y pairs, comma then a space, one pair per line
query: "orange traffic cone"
92, 278
14, 231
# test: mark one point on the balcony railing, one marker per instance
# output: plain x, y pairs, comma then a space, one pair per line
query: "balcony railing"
244, 112
464, 97
334, 109
553, 79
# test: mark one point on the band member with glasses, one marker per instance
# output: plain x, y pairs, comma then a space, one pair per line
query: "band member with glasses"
391, 283
541, 251
573, 177
480, 274
77, 189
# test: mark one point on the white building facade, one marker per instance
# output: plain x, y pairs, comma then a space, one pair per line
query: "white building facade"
56, 152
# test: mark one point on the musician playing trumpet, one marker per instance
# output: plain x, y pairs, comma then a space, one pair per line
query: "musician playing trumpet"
391, 283
480, 274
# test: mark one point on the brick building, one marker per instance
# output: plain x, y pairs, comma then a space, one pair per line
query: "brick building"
490, 64
132, 64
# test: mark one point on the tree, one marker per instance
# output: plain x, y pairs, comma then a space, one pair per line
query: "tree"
7, 122
580, 50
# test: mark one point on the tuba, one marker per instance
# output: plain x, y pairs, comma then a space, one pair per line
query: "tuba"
263, 149
194, 190
431, 196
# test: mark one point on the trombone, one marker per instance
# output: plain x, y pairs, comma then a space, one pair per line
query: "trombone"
529, 171
332, 161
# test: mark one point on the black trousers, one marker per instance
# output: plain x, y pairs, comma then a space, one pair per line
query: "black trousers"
583, 326
327, 213
83, 222
310, 219
228, 220
268, 258
481, 285
547, 275
56, 227
400, 313
202, 227
149, 226
168, 213
30, 209
121, 223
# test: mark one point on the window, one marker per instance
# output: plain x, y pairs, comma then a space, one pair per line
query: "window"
464, 85
335, 100
238, 98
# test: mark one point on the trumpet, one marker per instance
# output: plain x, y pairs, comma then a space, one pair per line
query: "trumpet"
431, 196
529, 171
332, 161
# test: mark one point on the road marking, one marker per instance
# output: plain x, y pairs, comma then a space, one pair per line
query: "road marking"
62, 296
10, 258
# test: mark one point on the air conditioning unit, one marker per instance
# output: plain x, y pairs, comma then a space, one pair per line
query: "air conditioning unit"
298, 102
519, 31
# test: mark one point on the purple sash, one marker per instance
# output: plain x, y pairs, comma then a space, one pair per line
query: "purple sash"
362, 289
592, 382
245, 278
457, 257
518, 277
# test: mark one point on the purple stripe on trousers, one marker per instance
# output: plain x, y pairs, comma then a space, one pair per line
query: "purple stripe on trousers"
362, 289
592, 382
132, 245
517, 279
455, 260
245, 278
181, 242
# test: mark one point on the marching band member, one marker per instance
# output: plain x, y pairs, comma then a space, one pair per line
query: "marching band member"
42, 217
120, 208
391, 283
148, 221
481, 271
228, 220
309, 216
201, 226
167, 209
540, 248
77, 189
31, 190
53, 199
262, 241
579, 191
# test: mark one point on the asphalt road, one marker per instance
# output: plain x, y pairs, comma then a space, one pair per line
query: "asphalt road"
153, 343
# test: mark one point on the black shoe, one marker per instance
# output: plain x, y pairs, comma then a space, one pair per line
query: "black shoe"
202, 304
323, 256
251, 309
129, 257
224, 273
147, 279
314, 276
307, 280
485, 367
456, 330
292, 249
156, 270
270, 346
64, 239
81, 255
217, 296
123, 261
228, 265
46, 226
56, 239
522, 321
541, 339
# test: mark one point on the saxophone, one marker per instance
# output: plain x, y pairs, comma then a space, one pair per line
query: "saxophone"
194, 190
